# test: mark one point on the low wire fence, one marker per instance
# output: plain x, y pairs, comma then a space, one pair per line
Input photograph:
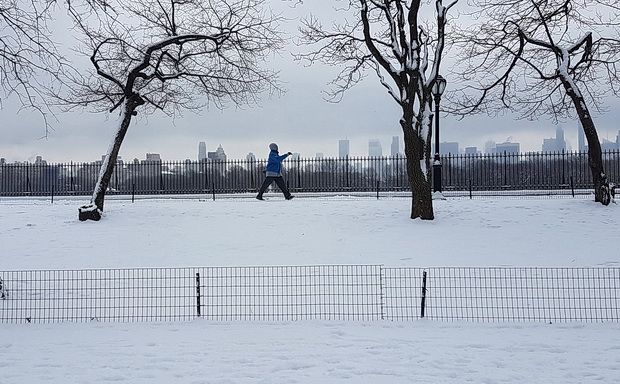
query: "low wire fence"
561, 171
324, 292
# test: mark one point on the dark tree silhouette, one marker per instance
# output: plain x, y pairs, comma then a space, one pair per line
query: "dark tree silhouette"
387, 37
170, 55
541, 58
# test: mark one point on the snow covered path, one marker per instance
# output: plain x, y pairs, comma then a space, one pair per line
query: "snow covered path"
176, 233
184, 233
310, 352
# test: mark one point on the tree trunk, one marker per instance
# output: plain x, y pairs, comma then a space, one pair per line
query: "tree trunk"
95, 208
602, 192
419, 178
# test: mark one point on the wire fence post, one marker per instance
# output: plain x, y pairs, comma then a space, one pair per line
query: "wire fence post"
381, 286
378, 189
198, 294
2, 294
423, 303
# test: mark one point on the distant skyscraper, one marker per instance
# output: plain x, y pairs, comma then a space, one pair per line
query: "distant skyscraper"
557, 144
581, 137
395, 147
508, 148
448, 148
608, 145
560, 142
202, 151
548, 145
471, 150
343, 148
374, 148
250, 157
218, 155
489, 146
319, 155
153, 157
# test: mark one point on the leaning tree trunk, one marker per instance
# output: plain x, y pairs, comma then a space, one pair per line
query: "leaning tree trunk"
95, 208
602, 192
419, 177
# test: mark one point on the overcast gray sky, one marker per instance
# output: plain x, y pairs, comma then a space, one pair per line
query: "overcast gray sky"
299, 121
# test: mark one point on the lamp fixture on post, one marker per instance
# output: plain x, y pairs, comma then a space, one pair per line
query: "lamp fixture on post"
439, 85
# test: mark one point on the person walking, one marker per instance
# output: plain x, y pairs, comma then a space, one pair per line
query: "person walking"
273, 172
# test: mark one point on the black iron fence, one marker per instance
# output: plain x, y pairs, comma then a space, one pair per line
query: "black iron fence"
328, 292
480, 172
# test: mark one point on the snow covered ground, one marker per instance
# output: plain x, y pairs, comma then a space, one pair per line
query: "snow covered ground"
35, 234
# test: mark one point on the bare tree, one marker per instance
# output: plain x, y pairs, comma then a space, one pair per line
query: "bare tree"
171, 55
387, 37
551, 58
29, 60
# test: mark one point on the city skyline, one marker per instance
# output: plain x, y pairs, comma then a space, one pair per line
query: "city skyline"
180, 147
374, 148
299, 120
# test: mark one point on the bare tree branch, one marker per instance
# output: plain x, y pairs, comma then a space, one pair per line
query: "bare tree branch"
385, 36
171, 55
540, 59
29, 61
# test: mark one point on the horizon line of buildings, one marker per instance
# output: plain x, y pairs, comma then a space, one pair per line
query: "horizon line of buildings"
375, 149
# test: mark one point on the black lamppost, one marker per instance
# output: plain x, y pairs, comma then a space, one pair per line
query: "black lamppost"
438, 87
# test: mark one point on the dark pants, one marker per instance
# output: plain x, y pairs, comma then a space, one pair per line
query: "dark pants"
270, 179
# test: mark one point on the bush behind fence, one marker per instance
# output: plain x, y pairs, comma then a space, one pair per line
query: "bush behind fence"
480, 172
323, 292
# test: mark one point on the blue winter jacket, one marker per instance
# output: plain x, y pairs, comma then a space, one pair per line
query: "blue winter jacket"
274, 164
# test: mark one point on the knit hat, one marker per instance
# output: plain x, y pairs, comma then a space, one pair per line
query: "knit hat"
273, 146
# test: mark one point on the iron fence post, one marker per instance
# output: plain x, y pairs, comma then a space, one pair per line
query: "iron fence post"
505, 170
563, 167
298, 174
72, 181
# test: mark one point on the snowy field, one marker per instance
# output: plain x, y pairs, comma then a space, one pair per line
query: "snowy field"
35, 234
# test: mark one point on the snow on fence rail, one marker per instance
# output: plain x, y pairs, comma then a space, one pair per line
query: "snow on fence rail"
326, 292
